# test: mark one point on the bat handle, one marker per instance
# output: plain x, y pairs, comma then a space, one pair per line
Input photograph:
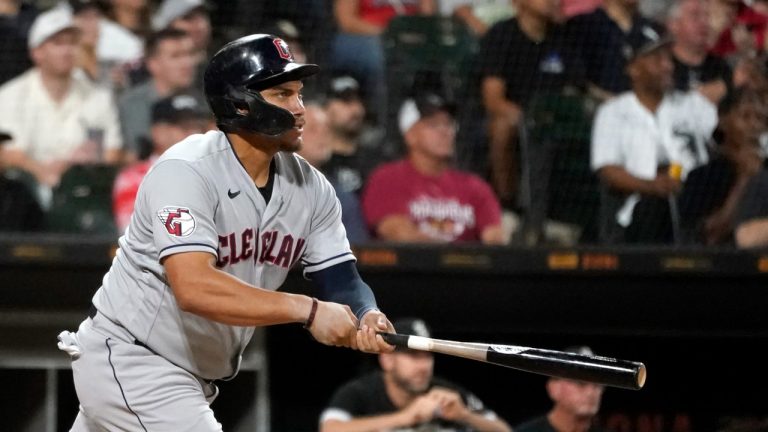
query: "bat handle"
395, 339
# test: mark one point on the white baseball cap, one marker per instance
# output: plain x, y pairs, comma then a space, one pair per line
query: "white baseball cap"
48, 24
424, 105
172, 9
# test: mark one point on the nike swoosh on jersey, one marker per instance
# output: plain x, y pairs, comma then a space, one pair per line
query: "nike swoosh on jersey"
232, 194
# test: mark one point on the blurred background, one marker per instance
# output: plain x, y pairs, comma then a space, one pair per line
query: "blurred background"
546, 173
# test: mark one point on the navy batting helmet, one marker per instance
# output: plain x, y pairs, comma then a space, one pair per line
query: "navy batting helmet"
239, 71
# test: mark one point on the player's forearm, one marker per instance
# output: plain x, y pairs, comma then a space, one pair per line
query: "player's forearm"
401, 229
493, 235
349, 20
619, 179
481, 423
19, 159
201, 289
367, 424
752, 234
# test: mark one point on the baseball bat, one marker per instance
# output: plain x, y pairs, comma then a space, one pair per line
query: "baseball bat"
600, 370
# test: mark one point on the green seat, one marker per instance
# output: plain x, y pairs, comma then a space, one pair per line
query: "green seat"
426, 52
82, 202
27, 179
563, 123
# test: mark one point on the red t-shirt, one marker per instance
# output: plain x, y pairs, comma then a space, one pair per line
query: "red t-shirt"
453, 206
125, 190
379, 12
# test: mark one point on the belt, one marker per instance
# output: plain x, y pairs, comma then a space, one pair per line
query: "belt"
92, 312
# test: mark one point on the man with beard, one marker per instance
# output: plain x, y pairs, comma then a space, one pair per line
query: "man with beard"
355, 148
575, 405
404, 396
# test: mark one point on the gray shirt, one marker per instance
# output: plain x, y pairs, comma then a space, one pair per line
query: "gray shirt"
198, 197
135, 106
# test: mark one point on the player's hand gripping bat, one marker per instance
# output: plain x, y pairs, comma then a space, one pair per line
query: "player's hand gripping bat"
600, 370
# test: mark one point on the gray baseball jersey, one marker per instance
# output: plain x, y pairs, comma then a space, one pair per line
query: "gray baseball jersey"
198, 197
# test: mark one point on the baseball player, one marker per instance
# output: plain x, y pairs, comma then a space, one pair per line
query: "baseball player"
219, 221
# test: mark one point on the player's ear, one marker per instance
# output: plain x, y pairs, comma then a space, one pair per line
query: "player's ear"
386, 361
553, 389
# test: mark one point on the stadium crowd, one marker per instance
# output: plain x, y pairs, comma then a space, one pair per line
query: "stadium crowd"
527, 122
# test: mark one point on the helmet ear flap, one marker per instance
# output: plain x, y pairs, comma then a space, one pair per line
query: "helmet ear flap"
251, 112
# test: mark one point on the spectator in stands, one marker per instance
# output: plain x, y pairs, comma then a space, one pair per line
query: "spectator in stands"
316, 149
56, 116
520, 58
16, 18
404, 395
433, 202
87, 17
711, 193
752, 216
645, 141
575, 404
738, 29
19, 208
600, 37
478, 15
290, 34
171, 64
357, 47
189, 16
173, 119
695, 67
355, 146
132, 15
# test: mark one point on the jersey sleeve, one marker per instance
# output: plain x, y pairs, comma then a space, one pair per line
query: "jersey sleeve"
179, 205
327, 243
345, 404
606, 146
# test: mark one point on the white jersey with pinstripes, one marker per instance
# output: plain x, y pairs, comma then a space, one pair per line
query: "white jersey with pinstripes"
198, 197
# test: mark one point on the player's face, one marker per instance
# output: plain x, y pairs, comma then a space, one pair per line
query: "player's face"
346, 116
288, 97
692, 25
434, 136
57, 55
578, 398
653, 71
174, 63
197, 25
412, 371
745, 123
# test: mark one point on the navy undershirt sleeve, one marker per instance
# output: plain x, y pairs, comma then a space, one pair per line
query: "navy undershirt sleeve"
341, 283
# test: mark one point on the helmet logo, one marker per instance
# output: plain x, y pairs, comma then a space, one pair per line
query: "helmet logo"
282, 49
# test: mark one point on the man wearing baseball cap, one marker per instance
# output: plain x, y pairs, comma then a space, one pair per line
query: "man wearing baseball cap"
575, 404
405, 394
173, 119
356, 146
189, 16
434, 202
645, 141
58, 118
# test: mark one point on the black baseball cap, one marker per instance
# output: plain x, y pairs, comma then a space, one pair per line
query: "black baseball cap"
4, 136
178, 108
344, 87
645, 40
